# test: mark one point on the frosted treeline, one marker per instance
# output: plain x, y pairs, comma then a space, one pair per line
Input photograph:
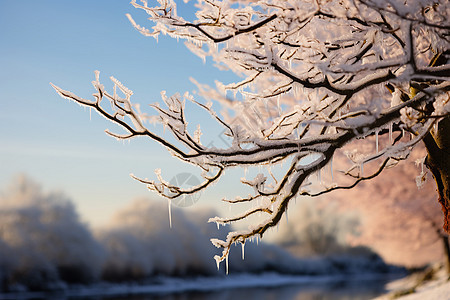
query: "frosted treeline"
44, 245
42, 240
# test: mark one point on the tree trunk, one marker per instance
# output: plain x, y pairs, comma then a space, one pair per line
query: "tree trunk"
438, 161
446, 245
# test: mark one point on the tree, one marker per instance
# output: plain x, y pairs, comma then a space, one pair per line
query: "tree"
334, 72
320, 229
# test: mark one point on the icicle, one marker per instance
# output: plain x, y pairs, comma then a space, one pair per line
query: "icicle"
361, 169
287, 217
243, 250
169, 201
90, 113
278, 105
295, 90
376, 139
217, 223
226, 263
390, 132
266, 105
331, 169
217, 258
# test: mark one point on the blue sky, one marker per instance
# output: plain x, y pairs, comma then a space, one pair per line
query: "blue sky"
60, 144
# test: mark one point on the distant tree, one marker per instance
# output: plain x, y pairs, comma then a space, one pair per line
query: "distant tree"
317, 76
400, 222
320, 229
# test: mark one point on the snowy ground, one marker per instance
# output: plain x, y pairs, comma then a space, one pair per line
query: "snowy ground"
431, 284
435, 291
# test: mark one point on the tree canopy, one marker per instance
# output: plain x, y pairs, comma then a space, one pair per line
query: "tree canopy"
319, 79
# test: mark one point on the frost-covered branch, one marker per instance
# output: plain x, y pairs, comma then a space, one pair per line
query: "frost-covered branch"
318, 77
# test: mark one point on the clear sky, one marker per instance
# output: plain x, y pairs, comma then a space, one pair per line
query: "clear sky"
62, 145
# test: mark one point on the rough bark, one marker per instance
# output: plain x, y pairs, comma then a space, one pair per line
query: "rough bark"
446, 245
438, 162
